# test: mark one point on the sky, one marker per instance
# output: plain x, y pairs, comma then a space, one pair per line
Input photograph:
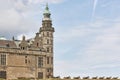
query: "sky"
86, 38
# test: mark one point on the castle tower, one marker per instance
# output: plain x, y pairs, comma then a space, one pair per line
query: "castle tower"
46, 32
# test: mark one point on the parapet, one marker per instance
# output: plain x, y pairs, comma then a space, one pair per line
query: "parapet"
85, 78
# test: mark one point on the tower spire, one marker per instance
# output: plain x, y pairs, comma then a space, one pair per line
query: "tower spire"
46, 13
47, 8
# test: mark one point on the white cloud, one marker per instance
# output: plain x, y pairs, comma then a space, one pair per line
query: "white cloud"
19, 16
30, 2
102, 50
9, 18
12, 20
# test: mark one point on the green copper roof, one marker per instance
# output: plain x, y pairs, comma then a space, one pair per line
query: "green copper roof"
47, 9
2, 38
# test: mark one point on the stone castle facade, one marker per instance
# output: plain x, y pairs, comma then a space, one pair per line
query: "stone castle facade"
31, 58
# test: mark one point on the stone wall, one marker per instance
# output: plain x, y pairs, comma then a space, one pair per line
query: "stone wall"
85, 78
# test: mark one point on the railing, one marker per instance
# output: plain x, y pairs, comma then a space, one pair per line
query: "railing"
85, 78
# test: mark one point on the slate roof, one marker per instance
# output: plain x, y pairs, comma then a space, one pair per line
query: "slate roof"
7, 43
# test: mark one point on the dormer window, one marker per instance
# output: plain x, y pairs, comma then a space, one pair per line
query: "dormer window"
7, 45
23, 48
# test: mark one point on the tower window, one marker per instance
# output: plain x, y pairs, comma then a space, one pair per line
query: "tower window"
40, 62
37, 44
47, 41
51, 60
47, 49
51, 49
51, 34
45, 25
40, 75
25, 56
25, 61
23, 48
47, 60
3, 59
48, 34
51, 41
43, 33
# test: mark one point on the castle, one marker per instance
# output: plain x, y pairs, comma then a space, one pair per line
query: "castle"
33, 58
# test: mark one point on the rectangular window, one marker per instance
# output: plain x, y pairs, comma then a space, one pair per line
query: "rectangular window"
51, 60
47, 60
47, 49
40, 75
40, 62
3, 74
3, 59
47, 34
47, 41
25, 61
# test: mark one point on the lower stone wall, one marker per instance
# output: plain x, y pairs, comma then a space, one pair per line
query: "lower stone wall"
15, 72
74, 78
85, 78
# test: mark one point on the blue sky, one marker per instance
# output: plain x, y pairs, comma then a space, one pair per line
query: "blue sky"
87, 32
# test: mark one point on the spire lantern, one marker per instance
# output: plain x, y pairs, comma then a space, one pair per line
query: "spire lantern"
46, 13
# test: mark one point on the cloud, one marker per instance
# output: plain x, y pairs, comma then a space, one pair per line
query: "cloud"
98, 48
31, 2
12, 22
18, 16
11, 17
94, 7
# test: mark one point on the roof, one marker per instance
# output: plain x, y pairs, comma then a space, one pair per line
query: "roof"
2, 38
47, 10
7, 43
